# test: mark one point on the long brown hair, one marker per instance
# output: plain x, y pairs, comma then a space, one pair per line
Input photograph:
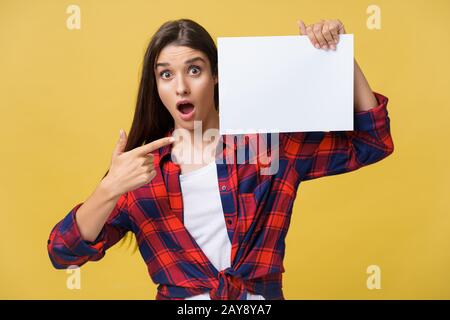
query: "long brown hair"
151, 119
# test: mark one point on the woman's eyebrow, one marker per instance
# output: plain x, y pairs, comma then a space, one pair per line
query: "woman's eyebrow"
165, 64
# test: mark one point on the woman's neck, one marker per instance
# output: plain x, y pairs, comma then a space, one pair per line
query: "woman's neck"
199, 144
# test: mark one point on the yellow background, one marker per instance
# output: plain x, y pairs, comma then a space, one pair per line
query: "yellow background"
64, 94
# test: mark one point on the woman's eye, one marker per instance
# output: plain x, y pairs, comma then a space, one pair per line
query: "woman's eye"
195, 67
162, 73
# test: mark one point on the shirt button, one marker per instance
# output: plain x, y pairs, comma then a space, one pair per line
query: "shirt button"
229, 221
224, 188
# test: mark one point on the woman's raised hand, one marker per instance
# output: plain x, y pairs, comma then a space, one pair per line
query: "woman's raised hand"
323, 34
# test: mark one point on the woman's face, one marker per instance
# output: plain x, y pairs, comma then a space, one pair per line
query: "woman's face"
185, 73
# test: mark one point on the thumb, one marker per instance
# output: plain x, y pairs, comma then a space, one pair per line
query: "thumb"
302, 27
121, 143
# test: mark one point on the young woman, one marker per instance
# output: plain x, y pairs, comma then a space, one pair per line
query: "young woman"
209, 230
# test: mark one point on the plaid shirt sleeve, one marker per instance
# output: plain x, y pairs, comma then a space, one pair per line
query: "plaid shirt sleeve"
319, 154
66, 247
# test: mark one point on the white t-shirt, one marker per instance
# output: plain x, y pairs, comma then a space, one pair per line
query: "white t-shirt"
204, 219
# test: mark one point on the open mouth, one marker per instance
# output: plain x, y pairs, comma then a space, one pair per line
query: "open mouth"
186, 110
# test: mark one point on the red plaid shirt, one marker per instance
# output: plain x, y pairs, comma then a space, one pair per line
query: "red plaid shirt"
257, 210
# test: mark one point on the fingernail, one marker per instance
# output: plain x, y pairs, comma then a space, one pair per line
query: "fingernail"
171, 139
333, 47
317, 46
325, 47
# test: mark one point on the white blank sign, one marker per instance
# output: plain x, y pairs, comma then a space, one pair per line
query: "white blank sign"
284, 84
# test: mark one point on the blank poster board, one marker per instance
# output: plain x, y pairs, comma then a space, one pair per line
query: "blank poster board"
284, 84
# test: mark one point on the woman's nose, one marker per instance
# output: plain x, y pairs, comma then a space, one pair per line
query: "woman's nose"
182, 87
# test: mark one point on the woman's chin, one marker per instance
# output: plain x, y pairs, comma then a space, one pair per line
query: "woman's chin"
186, 125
